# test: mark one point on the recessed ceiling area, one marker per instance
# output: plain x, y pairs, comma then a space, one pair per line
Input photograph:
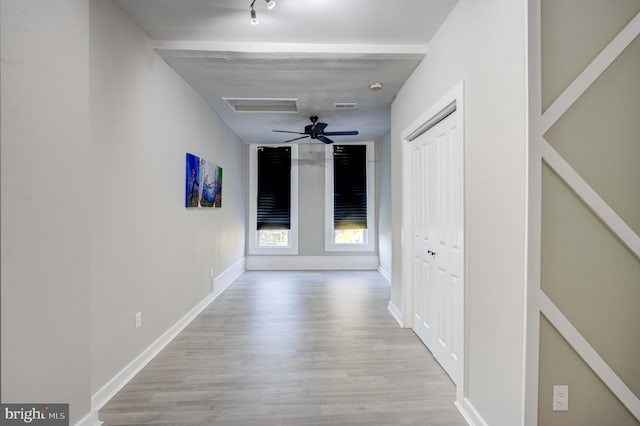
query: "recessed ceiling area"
317, 81
324, 54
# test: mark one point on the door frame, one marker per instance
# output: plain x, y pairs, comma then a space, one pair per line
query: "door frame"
451, 101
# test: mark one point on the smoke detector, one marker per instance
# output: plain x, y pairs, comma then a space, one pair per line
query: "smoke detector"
375, 86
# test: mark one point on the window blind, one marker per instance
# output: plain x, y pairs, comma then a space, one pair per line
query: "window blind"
274, 188
350, 186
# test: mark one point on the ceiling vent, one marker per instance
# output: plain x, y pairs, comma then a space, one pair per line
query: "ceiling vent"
346, 105
262, 104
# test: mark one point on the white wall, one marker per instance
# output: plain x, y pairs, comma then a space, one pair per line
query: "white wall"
311, 200
482, 43
150, 254
45, 199
383, 201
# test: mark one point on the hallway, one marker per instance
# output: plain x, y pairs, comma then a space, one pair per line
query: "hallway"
292, 348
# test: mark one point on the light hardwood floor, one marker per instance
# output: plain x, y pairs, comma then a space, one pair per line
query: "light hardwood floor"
292, 348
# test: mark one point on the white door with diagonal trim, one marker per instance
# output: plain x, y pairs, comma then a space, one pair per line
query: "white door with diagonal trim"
438, 256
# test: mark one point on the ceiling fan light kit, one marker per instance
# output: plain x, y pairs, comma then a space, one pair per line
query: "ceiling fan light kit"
254, 17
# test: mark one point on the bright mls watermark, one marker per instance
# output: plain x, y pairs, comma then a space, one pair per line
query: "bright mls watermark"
34, 414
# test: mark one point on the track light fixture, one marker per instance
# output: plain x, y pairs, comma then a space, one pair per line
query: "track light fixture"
254, 18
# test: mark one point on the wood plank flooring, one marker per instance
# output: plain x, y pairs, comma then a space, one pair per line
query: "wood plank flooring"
292, 348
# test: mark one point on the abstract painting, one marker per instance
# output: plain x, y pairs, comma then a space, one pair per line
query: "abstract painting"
192, 193
218, 187
203, 183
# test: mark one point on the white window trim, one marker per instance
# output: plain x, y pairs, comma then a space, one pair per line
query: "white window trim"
253, 204
329, 230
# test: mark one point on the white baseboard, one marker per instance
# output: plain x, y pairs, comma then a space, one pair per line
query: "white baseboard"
102, 396
224, 280
90, 419
311, 263
106, 392
395, 312
384, 273
469, 413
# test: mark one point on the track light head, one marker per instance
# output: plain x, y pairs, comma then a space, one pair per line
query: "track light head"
270, 4
254, 17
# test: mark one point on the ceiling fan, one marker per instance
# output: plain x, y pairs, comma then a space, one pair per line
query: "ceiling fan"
315, 130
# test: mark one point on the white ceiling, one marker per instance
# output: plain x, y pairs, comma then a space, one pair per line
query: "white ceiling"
317, 51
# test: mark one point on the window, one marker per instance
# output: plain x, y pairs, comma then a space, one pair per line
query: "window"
274, 196
349, 192
274, 199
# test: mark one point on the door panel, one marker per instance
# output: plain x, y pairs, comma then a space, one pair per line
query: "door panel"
437, 241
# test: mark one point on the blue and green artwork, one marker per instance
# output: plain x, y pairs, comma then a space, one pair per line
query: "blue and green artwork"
203, 183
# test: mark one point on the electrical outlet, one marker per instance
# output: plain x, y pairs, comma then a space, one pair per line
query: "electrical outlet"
138, 319
560, 398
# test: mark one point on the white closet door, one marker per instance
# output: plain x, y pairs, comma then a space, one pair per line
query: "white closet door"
438, 257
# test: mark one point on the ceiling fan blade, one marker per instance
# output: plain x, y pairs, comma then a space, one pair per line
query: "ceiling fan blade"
319, 127
295, 139
324, 139
347, 133
286, 131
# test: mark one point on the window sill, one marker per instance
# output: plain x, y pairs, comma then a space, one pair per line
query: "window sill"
365, 248
267, 251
